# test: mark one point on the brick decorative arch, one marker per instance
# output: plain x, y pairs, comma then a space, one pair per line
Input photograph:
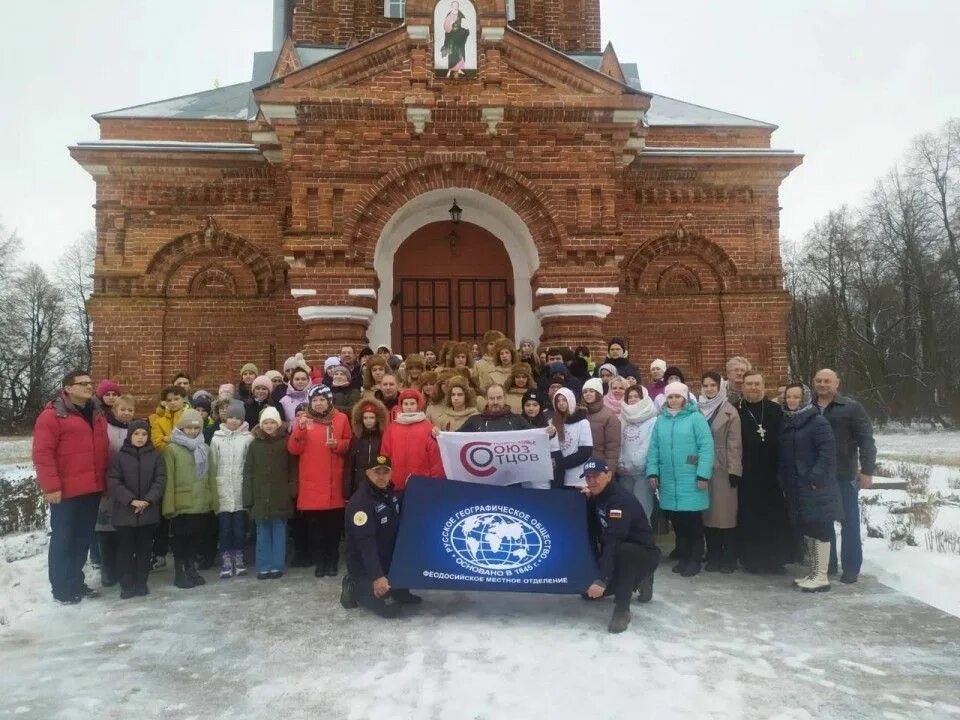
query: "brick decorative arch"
680, 242
452, 170
213, 241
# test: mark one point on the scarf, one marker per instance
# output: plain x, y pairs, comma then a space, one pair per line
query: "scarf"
709, 406
612, 403
324, 418
806, 404
197, 446
410, 418
116, 423
638, 412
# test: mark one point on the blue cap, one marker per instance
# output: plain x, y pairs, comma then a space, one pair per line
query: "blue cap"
594, 466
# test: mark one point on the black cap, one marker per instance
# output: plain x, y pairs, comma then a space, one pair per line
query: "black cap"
380, 461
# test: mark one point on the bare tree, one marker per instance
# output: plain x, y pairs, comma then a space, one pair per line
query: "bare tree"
74, 277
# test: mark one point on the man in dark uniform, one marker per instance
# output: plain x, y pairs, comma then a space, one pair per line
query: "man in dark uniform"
371, 520
628, 553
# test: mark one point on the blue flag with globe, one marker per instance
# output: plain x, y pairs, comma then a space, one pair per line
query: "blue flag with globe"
464, 536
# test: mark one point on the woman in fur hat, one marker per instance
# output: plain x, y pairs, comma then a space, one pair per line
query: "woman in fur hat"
368, 421
373, 373
518, 382
460, 403
409, 442
504, 357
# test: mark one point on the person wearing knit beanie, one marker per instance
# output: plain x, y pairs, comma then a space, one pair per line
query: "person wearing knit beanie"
188, 418
657, 368
271, 413
677, 388
274, 376
235, 411
673, 374
108, 391
262, 382
595, 384
248, 373
201, 395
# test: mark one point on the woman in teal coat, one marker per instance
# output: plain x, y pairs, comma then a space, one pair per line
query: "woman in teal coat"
679, 465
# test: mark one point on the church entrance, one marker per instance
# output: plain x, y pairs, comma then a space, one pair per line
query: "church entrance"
451, 282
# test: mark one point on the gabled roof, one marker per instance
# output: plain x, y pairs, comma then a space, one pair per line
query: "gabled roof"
236, 102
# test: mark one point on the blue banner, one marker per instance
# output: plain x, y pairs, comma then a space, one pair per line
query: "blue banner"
465, 536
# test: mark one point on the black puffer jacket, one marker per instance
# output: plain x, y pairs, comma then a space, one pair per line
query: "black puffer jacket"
495, 422
808, 465
136, 474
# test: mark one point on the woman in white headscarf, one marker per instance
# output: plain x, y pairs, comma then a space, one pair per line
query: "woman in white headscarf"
638, 415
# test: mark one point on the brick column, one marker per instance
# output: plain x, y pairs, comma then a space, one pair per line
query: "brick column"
329, 327
573, 324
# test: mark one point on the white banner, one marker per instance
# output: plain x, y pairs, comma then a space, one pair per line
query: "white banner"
498, 458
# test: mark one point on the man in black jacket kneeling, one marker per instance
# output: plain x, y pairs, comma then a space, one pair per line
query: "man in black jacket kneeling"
628, 552
371, 519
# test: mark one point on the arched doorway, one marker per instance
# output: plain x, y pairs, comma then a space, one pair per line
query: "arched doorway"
451, 282
479, 208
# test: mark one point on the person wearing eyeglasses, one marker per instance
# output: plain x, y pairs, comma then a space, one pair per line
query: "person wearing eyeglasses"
71, 451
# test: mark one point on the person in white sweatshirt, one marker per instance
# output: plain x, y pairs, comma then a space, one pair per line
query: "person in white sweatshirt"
572, 445
228, 453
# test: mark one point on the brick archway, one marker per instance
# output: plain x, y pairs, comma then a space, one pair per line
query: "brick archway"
449, 171
218, 243
714, 260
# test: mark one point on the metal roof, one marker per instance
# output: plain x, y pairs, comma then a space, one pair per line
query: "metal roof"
231, 102
236, 102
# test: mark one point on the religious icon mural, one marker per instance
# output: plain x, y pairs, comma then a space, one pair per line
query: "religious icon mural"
455, 37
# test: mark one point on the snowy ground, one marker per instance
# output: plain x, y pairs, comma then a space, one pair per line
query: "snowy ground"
710, 647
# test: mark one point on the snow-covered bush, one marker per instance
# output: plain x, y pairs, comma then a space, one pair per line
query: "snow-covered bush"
22, 506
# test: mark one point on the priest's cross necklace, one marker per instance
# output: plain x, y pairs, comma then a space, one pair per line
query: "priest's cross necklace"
761, 430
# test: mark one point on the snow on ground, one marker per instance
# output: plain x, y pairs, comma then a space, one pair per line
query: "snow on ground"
709, 647
931, 577
15, 450
931, 448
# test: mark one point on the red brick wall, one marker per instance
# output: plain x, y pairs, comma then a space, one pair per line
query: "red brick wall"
692, 244
568, 25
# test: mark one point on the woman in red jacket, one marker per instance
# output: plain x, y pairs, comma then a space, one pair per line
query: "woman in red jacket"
322, 440
409, 442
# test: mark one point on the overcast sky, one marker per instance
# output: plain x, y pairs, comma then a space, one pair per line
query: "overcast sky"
849, 82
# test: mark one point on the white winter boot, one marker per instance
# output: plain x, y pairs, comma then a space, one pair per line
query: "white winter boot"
809, 550
818, 581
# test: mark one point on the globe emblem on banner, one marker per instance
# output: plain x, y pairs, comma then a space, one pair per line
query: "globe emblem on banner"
496, 541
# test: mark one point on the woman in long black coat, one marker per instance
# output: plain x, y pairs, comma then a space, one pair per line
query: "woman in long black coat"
808, 464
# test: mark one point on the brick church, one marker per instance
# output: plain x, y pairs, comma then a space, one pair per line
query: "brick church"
402, 173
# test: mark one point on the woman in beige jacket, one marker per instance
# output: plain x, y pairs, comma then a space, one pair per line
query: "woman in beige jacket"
720, 521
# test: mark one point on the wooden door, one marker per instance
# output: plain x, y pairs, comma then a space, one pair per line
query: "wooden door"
447, 290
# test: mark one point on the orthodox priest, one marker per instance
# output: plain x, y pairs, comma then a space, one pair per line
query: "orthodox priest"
762, 525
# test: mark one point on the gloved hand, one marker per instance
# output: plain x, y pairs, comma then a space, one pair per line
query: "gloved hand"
734, 480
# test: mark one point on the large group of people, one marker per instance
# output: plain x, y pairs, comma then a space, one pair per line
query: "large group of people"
314, 456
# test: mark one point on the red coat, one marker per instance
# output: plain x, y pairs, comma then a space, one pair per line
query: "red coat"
321, 468
412, 450
69, 454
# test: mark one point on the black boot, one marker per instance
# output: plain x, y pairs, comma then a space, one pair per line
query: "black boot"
107, 577
195, 577
347, 597
181, 577
645, 590
620, 620
712, 537
405, 597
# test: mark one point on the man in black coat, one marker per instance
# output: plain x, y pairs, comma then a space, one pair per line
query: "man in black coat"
763, 533
371, 519
628, 552
496, 416
856, 463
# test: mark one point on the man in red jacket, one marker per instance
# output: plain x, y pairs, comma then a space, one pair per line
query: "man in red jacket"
70, 454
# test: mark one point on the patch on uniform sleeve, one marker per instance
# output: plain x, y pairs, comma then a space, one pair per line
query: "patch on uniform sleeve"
360, 518
616, 514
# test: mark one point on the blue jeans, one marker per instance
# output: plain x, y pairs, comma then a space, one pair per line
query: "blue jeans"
72, 523
271, 545
851, 547
231, 530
